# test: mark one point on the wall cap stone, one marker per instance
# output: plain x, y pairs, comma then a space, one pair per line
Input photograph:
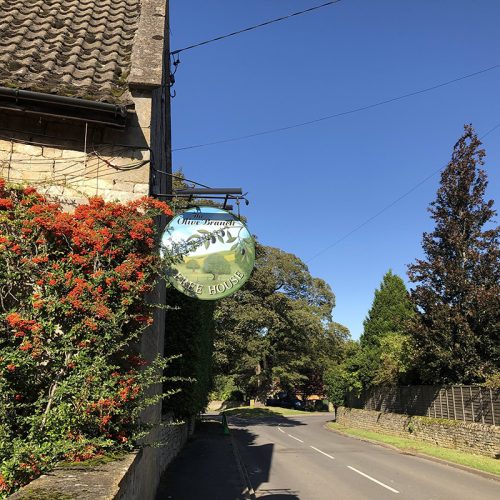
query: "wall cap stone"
80, 482
147, 53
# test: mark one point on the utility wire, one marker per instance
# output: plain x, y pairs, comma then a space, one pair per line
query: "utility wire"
390, 205
343, 113
266, 23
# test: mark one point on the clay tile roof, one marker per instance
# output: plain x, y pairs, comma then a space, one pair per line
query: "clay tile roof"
79, 48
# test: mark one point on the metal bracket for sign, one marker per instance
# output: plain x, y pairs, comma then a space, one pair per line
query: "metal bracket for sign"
225, 194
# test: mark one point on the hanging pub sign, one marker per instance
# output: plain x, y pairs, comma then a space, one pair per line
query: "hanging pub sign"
209, 253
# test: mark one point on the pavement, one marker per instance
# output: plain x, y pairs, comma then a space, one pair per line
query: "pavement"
207, 467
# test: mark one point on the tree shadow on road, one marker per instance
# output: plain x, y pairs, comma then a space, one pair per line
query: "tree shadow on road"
256, 459
244, 417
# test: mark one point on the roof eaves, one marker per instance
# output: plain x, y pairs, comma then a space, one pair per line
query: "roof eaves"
62, 106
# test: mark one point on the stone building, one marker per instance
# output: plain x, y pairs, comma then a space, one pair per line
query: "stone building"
83, 97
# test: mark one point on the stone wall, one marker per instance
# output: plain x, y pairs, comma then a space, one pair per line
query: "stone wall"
465, 436
74, 160
143, 475
135, 477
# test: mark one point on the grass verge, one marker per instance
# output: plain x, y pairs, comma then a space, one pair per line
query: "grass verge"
268, 411
485, 464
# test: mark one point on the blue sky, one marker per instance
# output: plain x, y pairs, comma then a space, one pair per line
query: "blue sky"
311, 185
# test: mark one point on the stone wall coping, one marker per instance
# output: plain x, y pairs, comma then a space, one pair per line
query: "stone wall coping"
134, 476
81, 481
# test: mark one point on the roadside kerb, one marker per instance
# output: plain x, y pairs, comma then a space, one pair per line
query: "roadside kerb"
248, 492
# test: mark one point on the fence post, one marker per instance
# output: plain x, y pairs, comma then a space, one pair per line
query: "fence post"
441, 403
481, 402
453, 399
434, 406
472, 404
447, 404
492, 407
463, 406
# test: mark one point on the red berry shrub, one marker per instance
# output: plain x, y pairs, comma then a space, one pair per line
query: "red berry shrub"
72, 299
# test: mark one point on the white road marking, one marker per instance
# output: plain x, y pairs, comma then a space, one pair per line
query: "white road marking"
372, 479
281, 430
323, 453
296, 439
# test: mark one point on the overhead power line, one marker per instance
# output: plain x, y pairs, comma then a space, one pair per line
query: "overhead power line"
343, 113
390, 205
251, 28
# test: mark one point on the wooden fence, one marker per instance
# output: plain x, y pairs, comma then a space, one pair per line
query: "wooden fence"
460, 402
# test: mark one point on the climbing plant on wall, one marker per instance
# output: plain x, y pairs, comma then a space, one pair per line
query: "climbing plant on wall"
72, 299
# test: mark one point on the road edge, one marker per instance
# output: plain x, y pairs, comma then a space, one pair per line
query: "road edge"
248, 491
487, 475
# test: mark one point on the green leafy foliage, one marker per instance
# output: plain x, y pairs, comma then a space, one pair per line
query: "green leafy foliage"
224, 389
276, 332
384, 355
345, 374
337, 383
189, 338
457, 285
390, 312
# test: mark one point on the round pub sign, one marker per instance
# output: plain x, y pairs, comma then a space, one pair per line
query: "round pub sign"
209, 252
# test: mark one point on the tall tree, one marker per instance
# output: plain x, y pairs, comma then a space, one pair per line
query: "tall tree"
271, 334
457, 292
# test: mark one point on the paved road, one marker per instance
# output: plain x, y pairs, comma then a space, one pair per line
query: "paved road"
298, 458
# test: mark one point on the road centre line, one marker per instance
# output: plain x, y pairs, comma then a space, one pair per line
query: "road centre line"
281, 430
373, 479
323, 453
296, 439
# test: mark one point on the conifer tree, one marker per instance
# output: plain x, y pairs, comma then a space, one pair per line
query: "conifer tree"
390, 310
383, 357
457, 293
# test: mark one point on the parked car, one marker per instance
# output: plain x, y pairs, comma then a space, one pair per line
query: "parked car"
272, 402
286, 403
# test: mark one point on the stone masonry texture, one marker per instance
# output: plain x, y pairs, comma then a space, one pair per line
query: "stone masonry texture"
73, 175
73, 162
